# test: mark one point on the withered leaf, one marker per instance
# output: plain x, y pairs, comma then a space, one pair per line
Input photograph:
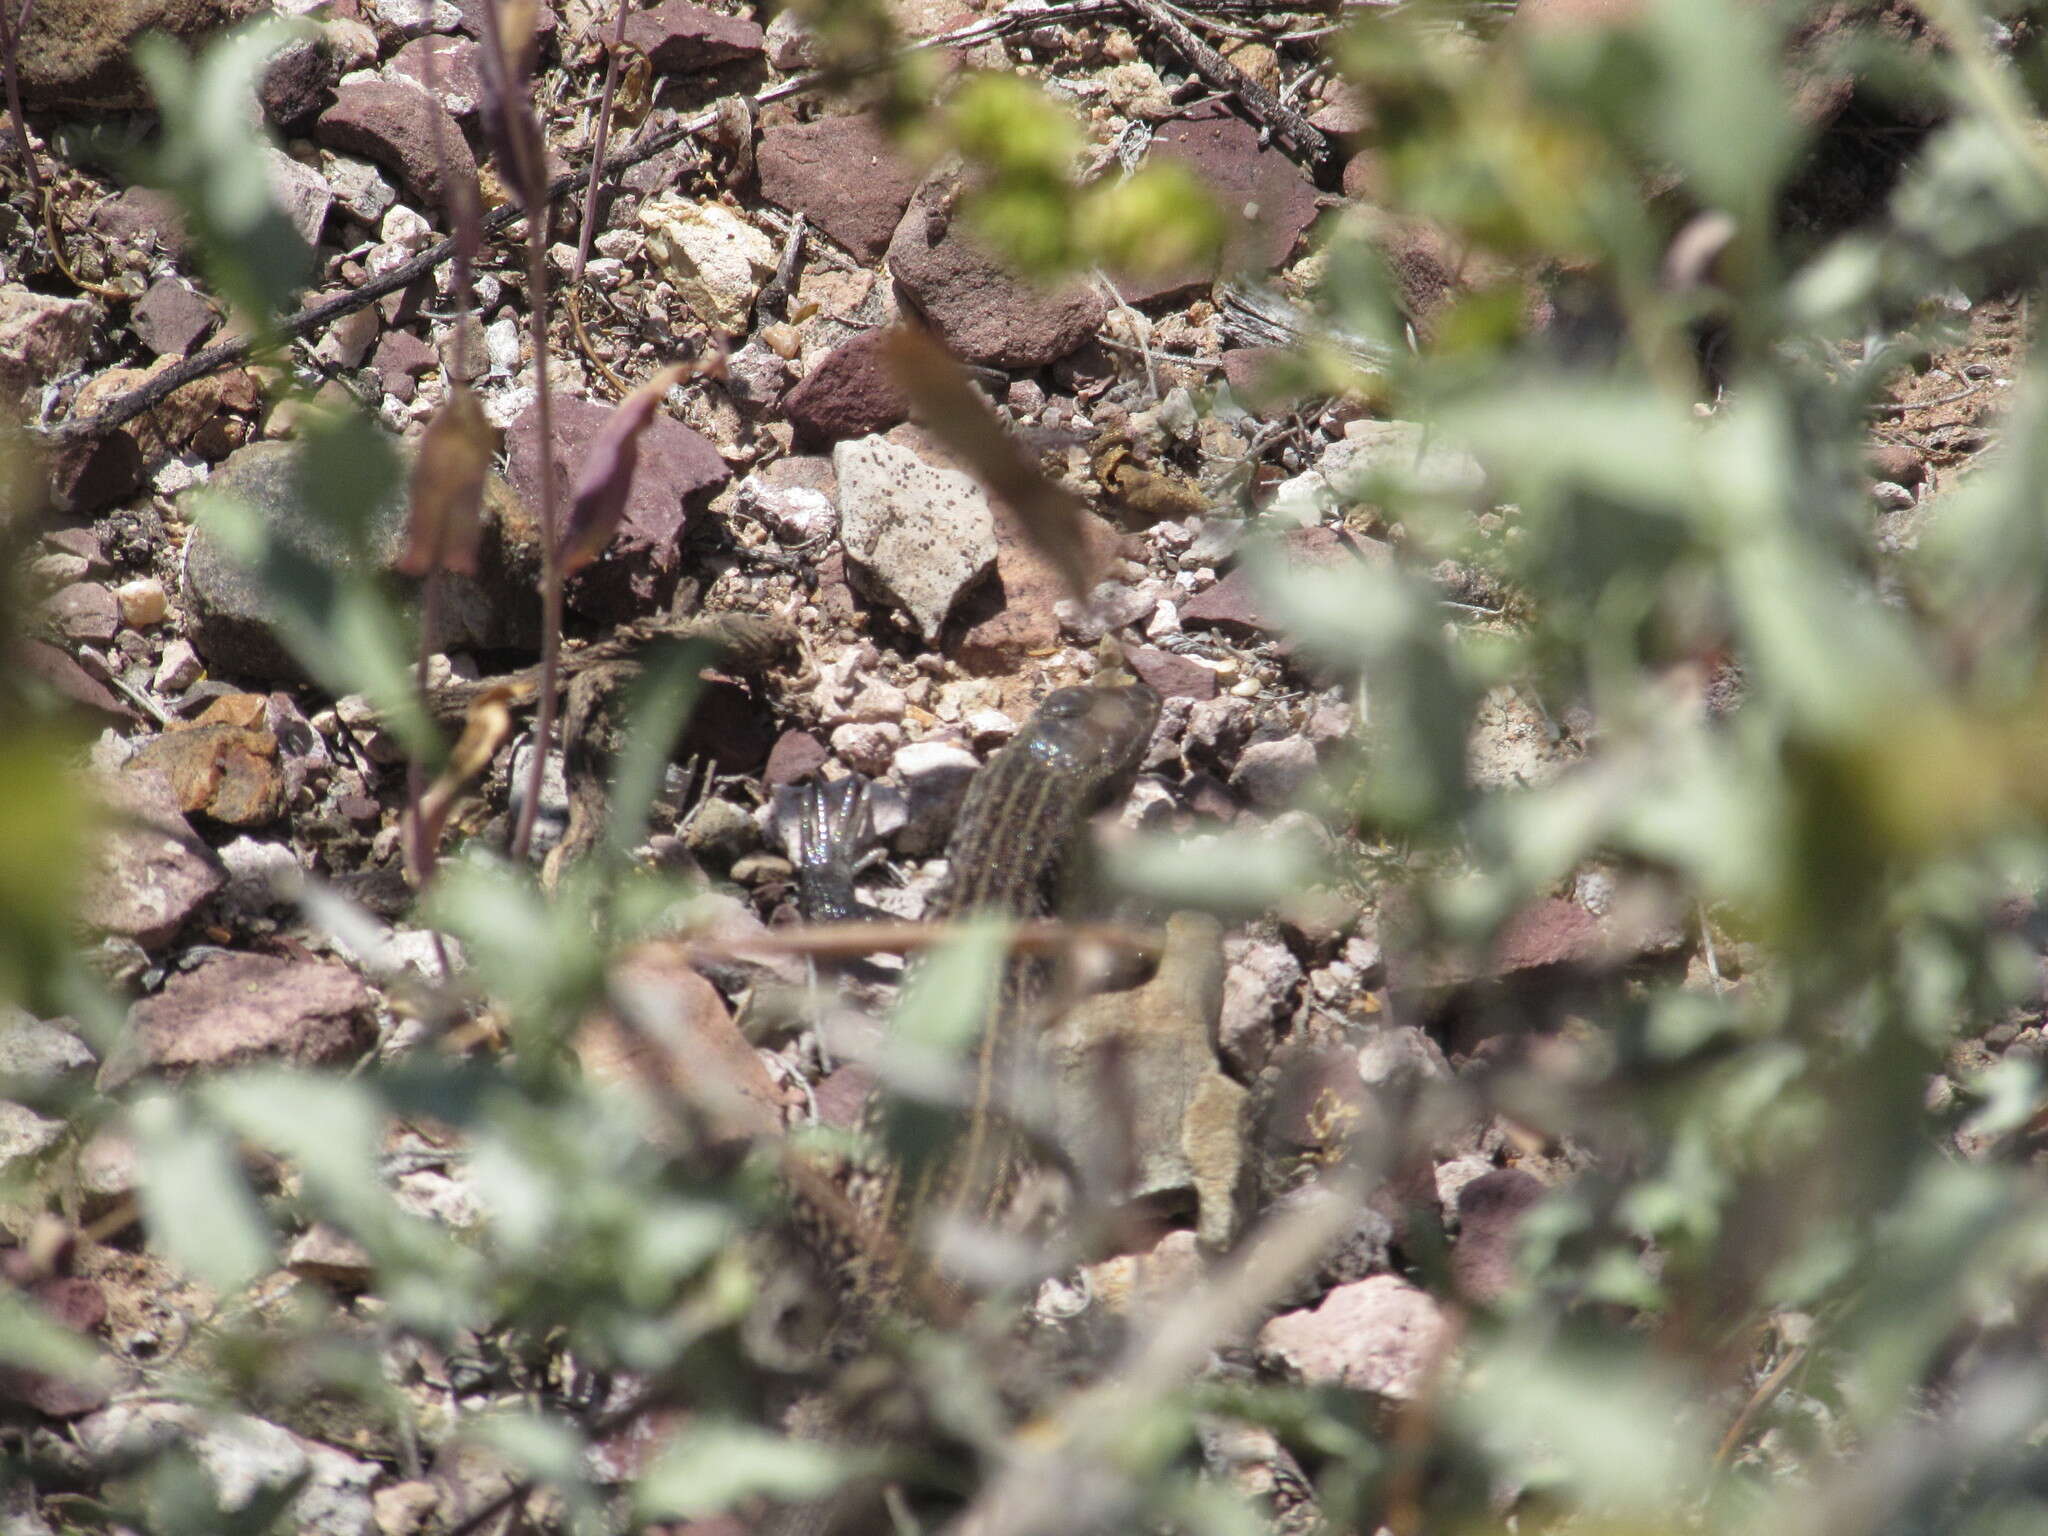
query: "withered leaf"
599, 500
485, 729
444, 519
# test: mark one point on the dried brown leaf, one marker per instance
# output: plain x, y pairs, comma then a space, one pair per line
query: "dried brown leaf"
599, 500
448, 488
485, 729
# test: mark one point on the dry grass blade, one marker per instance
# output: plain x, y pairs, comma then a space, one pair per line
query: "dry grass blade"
952, 409
488, 727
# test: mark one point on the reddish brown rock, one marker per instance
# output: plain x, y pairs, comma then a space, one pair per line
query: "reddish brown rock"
237, 1008
78, 1306
1265, 200
985, 313
397, 126
1013, 616
84, 610
1233, 603
172, 317
1900, 463
295, 83
42, 339
678, 469
89, 476
851, 393
218, 767
1555, 932
842, 173
81, 53
149, 873
456, 66
140, 217
684, 1045
326, 1254
401, 360
681, 39
795, 756
1490, 1213
1247, 370
842, 1097
1171, 676
67, 677
1379, 1335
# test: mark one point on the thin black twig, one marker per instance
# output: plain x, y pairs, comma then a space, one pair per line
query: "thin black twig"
1291, 127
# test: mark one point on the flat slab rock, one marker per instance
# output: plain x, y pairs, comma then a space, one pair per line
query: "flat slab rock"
237, 1008
1265, 201
149, 873
841, 172
677, 469
984, 312
915, 535
1380, 1335
234, 610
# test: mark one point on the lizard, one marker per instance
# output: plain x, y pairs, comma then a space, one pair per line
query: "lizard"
1011, 846
1019, 826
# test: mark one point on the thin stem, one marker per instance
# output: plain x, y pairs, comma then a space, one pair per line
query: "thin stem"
604, 128
9, 33
550, 552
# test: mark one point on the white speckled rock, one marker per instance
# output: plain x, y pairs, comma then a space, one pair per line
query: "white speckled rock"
915, 535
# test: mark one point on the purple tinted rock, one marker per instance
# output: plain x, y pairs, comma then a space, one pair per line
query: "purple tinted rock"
1233, 603
680, 39
85, 610
42, 338
149, 873
455, 63
78, 1306
1272, 774
842, 173
677, 468
401, 359
87, 476
545, 21
172, 317
66, 677
236, 1008
851, 393
982, 311
1490, 1213
1380, 1335
397, 126
795, 756
138, 216
1265, 200
294, 84
1171, 676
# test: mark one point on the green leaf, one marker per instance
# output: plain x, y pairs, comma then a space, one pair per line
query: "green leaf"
31, 1341
1234, 872
714, 1464
656, 705
1722, 114
211, 158
337, 622
199, 1207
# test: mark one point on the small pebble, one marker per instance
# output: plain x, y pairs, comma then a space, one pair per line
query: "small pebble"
142, 601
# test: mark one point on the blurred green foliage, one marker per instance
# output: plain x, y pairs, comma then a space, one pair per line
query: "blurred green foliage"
1682, 455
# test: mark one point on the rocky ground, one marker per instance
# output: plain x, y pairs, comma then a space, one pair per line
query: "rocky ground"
789, 483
